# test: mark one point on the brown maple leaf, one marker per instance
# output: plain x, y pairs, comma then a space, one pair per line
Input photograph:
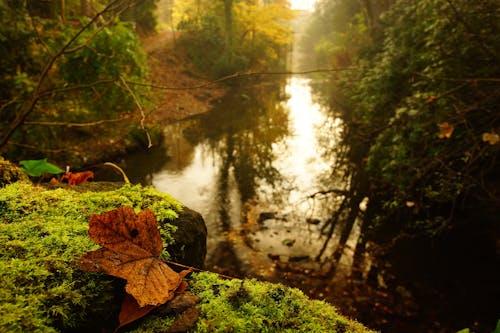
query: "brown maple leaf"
131, 246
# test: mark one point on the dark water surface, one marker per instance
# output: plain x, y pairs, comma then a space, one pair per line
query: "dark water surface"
260, 169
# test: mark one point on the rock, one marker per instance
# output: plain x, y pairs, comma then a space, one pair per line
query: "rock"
190, 244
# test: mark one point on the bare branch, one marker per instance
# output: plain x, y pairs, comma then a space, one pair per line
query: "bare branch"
12, 101
68, 124
143, 116
238, 75
336, 191
77, 87
451, 79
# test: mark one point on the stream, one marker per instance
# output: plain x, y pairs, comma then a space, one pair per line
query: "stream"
265, 169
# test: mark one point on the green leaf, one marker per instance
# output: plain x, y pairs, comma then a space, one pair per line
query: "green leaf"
497, 329
35, 168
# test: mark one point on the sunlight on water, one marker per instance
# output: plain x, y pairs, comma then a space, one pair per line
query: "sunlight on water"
195, 175
299, 155
193, 184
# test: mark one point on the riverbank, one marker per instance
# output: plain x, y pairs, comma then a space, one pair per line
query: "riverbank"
169, 67
178, 92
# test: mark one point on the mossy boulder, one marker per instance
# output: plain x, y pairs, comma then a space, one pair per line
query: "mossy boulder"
43, 233
10, 173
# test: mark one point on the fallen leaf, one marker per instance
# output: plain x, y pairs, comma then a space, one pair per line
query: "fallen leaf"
445, 130
410, 204
77, 178
131, 246
492, 138
131, 311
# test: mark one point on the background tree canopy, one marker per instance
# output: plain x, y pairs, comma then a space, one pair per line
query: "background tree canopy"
235, 35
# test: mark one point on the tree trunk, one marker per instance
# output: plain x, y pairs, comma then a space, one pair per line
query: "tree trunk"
228, 22
85, 9
63, 10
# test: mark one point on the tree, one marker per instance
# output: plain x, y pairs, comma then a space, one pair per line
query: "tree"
425, 98
78, 81
235, 35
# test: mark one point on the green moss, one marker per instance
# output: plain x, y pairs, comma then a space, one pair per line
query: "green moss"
10, 173
43, 233
254, 306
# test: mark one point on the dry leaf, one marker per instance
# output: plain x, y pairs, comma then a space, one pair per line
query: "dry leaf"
445, 130
131, 246
77, 177
131, 311
492, 138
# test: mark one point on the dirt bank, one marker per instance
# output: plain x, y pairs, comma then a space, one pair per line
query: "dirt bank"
169, 67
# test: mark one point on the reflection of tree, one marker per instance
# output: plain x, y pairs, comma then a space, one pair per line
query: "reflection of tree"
346, 179
242, 130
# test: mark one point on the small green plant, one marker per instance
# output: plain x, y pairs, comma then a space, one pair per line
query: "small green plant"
36, 168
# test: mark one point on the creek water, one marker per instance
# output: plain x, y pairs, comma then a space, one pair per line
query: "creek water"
265, 169
251, 166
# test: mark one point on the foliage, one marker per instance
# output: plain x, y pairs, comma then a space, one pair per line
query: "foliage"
83, 85
36, 168
423, 101
259, 34
144, 15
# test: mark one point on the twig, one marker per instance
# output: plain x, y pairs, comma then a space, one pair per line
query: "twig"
77, 87
451, 79
143, 116
66, 124
325, 192
199, 270
238, 75
124, 175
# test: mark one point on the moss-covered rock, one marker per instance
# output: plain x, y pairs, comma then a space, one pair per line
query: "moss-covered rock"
43, 233
10, 173
253, 306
